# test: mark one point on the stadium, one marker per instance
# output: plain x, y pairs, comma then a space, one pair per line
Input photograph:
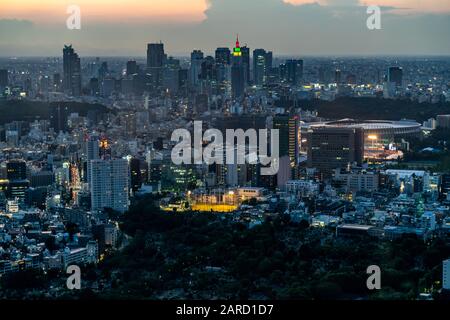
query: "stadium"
381, 130
380, 136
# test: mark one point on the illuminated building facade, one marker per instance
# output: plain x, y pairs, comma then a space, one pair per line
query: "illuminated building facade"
109, 184
333, 148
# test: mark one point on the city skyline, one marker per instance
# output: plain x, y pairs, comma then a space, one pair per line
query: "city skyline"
222, 151
320, 28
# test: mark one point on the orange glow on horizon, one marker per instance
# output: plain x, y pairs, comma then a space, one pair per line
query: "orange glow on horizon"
167, 10
121, 10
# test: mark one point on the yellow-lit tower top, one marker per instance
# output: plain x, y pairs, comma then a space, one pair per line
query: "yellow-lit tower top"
237, 50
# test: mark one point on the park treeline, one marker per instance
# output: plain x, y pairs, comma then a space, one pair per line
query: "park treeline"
207, 256
375, 109
26, 110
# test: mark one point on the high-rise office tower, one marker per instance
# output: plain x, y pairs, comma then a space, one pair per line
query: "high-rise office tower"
132, 67
58, 118
16, 173
237, 72
246, 64
446, 274
445, 186
443, 121
171, 75
16, 170
155, 55
103, 70
155, 62
208, 69
289, 137
259, 66
196, 67
395, 75
3, 78
271, 72
92, 153
109, 184
135, 174
330, 148
294, 71
223, 56
183, 75
57, 82
223, 63
269, 62
208, 76
94, 87
288, 127
44, 84
337, 76
72, 71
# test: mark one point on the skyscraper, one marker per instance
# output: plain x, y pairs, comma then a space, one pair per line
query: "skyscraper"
3, 78
103, 70
16, 173
269, 62
135, 174
16, 170
294, 70
246, 64
58, 118
259, 66
72, 71
92, 153
446, 274
445, 186
223, 56
330, 148
237, 72
223, 63
109, 184
132, 67
171, 75
337, 76
395, 75
196, 67
155, 62
57, 82
289, 136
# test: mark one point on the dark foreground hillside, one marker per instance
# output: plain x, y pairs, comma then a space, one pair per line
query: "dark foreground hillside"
204, 256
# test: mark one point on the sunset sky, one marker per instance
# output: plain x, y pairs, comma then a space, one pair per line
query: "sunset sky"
323, 27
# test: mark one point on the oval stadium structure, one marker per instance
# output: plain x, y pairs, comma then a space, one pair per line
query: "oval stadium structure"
381, 129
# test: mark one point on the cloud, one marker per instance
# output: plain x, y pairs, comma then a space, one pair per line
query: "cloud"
297, 29
315, 28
